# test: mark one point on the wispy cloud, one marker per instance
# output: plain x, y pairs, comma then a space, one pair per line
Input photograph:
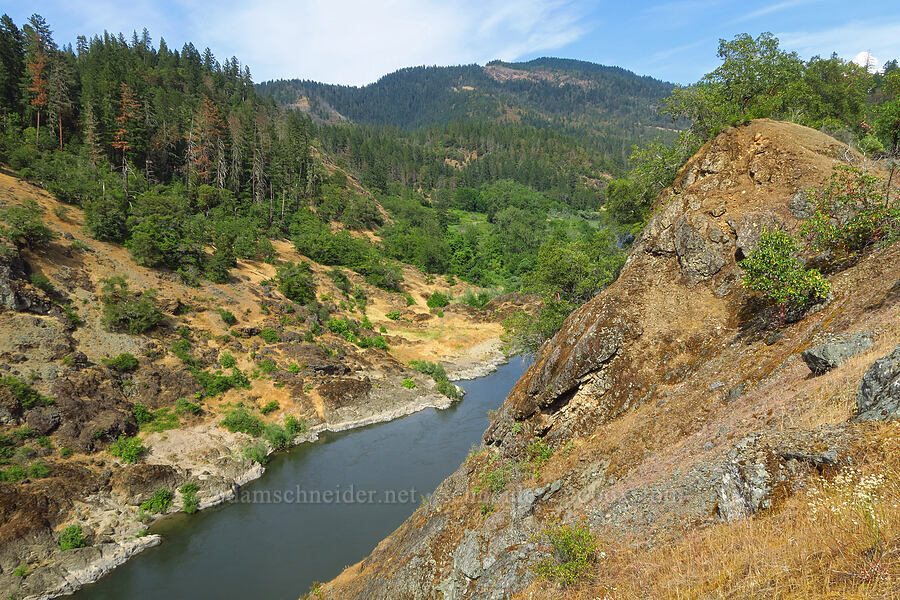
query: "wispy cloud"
357, 41
881, 38
772, 8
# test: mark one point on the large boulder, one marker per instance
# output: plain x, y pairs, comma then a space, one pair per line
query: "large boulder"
825, 357
878, 397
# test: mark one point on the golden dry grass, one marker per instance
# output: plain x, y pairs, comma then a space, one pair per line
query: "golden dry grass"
840, 538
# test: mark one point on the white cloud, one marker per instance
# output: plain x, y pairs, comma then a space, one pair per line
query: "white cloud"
357, 41
772, 8
881, 38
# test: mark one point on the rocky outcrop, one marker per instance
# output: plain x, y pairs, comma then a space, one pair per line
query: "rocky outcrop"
878, 397
825, 357
669, 401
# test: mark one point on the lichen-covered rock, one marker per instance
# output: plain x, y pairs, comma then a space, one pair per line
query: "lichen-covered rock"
825, 357
878, 397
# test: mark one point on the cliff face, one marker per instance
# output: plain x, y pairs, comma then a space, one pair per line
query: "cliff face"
672, 406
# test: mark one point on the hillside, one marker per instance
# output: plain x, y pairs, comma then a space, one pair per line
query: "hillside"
73, 387
604, 110
674, 420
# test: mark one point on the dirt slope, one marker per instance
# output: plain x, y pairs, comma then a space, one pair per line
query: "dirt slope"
685, 429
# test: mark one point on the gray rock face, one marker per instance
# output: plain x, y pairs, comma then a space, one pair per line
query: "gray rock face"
825, 357
700, 246
878, 397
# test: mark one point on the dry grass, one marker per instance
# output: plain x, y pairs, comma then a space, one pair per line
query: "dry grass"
840, 538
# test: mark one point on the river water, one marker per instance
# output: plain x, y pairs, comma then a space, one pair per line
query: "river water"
318, 508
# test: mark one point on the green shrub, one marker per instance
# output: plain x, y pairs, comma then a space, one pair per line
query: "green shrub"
183, 405
13, 474
21, 570
71, 314
227, 360
162, 420
574, 550
123, 363
227, 316
476, 299
774, 271
72, 537
256, 452
294, 426
393, 315
408, 297
160, 502
65, 452
42, 282
141, 414
494, 480
294, 368
296, 282
189, 500
408, 383
214, 384
437, 372
276, 435
267, 366
238, 420
539, 454
25, 224
269, 407
124, 310
269, 335
26, 395
438, 300
129, 449
851, 213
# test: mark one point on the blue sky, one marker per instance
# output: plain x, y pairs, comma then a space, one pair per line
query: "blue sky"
356, 41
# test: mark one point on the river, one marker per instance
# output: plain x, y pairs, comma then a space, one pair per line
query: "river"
318, 508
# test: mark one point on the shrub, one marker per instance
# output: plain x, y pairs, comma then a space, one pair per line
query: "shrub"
71, 314
256, 452
214, 384
475, 299
408, 383
539, 454
238, 420
851, 213
25, 224
269, 335
267, 366
124, 310
276, 436
438, 300
123, 363
437, 372
160, 502
269, 407
141, 414
129, 449
227, 360
393, 315
494, 480
574, 550
227, 316
294, 426
773, 270
42, 282
183, 405
65, 452
13, 474
295, 281
408, 297
21, 570
26, 395
294, 368
72, 537
189, 500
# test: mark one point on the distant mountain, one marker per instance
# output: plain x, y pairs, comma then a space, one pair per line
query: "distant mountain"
544, 89
605, 108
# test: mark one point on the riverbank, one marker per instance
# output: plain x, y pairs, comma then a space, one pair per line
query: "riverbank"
211, 457
285, 543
